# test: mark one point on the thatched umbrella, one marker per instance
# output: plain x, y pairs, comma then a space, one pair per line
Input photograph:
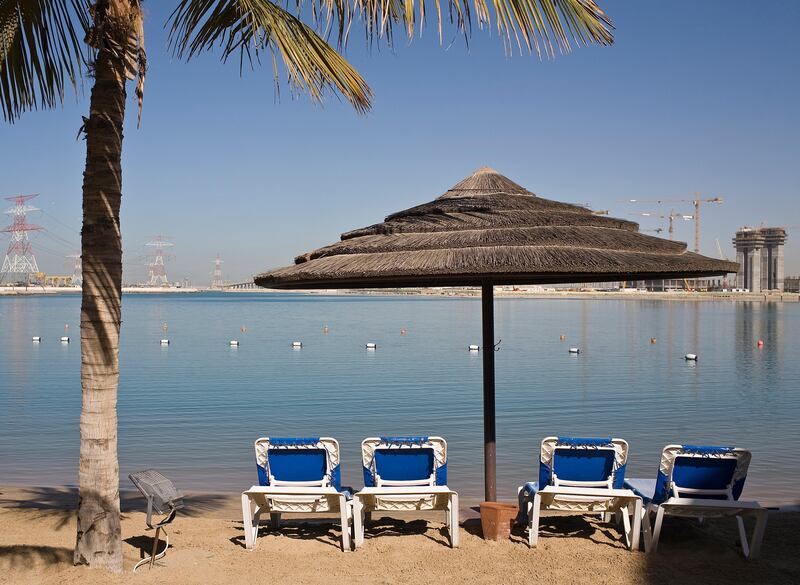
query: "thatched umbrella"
485, 231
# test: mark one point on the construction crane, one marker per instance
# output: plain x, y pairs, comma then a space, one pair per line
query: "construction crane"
596, 212
696, 201
722, 256
672, 216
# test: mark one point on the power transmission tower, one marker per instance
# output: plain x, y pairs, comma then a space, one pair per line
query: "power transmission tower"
216, 276
77, 269
19, 256
157, 275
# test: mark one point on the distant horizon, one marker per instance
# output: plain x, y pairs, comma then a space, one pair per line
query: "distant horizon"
224, 167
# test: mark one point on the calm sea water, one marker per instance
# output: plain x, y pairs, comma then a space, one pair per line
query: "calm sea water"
193, 409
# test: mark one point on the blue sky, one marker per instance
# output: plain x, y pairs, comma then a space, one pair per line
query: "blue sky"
692, 97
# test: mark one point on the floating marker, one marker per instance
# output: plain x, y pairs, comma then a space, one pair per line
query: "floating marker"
233, 343
574, 350
691, 357
165, 342
65, 339
36, 339
297, 344
760, 343
372, 346
474, 348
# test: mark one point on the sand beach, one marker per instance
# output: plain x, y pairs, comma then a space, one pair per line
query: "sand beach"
37, 533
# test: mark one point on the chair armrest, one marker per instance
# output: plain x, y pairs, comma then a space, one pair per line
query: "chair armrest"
404, 490
591, 492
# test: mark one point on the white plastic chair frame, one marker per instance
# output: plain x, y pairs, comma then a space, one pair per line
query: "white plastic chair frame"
393, 495
316, 496
683, 504
585, 497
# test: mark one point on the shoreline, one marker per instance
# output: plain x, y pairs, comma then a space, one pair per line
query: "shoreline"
227, 501
500, 292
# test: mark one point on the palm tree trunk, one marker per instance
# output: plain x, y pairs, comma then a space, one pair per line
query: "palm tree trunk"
99, 541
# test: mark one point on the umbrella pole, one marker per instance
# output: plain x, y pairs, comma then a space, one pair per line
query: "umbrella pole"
489, 445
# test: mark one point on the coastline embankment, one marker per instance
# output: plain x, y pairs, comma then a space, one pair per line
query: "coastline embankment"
500, 292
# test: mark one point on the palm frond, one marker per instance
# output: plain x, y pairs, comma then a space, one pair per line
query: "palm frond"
544, 26
40, 52
246, 28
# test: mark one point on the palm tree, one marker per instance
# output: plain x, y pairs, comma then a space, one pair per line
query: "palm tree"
42, 54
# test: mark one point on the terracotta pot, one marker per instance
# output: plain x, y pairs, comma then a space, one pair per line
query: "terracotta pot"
497, 519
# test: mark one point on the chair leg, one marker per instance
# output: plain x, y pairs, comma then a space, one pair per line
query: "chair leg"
626, 526
646, 530
275, 520
758, 533
345, 518
637, 524
743, 537
657, 528
454, 527
533, 529
155, 547
247, 522
358, 522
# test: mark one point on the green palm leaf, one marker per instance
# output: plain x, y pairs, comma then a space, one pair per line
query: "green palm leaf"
247, 27
40, 52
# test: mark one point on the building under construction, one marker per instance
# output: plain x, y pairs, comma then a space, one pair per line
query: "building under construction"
759, 252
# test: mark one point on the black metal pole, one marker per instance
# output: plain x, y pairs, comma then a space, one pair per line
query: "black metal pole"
489, 444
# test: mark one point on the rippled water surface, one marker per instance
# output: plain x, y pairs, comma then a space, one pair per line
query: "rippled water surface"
193, 409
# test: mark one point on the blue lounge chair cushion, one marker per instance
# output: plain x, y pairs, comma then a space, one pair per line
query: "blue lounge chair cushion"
582, 464
694, 467
414, 460
404, 464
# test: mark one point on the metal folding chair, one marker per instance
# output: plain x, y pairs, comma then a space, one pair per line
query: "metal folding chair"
164, 499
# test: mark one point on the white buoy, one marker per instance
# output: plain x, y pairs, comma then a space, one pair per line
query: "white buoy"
233, 343
36, 339
65, 339
692, 357
372, 345
574, 350
474, 348
165, 342
297, 344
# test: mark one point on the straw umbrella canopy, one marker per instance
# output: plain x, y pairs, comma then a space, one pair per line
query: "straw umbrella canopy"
487, 230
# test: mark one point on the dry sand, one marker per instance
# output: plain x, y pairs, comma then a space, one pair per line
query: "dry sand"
37, 531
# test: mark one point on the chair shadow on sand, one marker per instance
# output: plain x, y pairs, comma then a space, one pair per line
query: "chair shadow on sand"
144, 544
327, 531
560, 527
323, 530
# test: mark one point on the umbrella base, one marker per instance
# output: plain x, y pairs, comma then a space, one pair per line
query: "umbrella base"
497, 520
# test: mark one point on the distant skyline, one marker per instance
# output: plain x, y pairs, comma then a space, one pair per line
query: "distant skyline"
700, 99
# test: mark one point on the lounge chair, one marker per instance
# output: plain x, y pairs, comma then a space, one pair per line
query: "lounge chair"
699, 482
297, 476
581, 476
401, 474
